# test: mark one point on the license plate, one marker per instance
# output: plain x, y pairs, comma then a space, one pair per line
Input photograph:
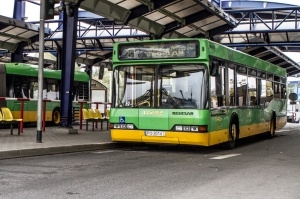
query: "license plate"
155, 133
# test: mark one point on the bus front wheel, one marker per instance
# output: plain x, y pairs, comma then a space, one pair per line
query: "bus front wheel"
232, 134
56, 117
271, 132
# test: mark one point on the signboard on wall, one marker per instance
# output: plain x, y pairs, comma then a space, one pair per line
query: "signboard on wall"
294, 85
98, 96
298, 92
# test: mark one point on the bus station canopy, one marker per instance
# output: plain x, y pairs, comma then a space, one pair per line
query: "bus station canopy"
126, 20
6, 57
167, 18
274, 55
264, 30
14, 33
192, 18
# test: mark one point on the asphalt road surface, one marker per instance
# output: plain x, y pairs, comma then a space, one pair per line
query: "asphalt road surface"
258, 168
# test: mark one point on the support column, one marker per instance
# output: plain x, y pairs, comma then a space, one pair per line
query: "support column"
17, 56
59, 47
19, 10
70, 19
89, 71
59, 58
19, 14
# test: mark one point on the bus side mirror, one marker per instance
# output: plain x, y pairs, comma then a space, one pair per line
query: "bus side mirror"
101, 72
214, 68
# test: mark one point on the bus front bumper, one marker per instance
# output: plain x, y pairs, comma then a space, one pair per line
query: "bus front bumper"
170, 137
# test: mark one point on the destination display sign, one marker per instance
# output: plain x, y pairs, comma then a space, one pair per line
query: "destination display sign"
159, 50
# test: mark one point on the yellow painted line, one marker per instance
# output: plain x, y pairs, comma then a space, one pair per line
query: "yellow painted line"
283, 130
111, 151
224, 156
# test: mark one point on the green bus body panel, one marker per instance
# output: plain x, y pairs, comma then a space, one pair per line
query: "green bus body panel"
131, 115
247, 115
215, 119
162, 119
32, 70
156, 119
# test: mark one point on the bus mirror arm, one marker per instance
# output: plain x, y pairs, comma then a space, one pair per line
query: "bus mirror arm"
181, 94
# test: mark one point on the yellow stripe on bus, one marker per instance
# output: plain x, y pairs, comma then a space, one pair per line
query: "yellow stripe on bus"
191, 138
171, 137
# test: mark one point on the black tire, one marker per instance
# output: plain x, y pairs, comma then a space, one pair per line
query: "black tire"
271, 132
232, 134
56, 119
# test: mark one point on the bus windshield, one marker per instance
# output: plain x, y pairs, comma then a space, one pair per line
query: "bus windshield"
161, 86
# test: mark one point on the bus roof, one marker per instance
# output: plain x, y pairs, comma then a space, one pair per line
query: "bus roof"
32, 70
207, 48
239, 57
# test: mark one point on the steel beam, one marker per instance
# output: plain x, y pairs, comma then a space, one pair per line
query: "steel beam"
68, 64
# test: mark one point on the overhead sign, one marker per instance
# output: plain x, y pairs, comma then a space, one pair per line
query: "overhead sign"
159, 50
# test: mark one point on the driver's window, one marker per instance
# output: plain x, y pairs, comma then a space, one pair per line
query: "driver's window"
182, 86
120, 86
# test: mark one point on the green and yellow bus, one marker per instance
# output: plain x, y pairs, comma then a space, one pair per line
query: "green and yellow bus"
19, 82
193, 92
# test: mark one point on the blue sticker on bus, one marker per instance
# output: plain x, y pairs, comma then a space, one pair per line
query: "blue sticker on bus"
122, 119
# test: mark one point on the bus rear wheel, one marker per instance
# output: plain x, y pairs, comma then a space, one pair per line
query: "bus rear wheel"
56, 117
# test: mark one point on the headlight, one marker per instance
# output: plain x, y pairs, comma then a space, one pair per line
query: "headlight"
117, 126
130, 126
194, 128
122, 126
178, 128
186, 128
201, 128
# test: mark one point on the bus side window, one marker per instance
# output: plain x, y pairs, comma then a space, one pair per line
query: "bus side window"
217, 84
11, 92
221, 86
231, 86
241, 90
213, 95
252, 91
269, 91
31, 91
214, 66
283, 91
262, 91
277, 91
18, 91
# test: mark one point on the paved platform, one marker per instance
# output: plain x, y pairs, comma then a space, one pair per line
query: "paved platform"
54, 140
57, 140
